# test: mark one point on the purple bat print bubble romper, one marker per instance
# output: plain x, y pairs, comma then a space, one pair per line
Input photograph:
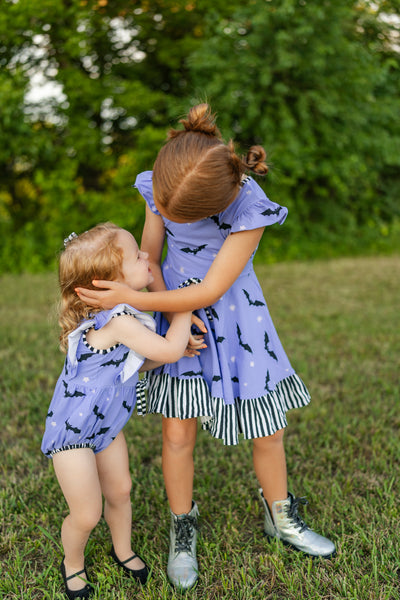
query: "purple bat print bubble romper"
243, 381
96, 392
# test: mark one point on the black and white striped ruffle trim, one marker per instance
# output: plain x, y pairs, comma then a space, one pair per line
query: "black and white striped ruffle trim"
104, 350
71, 447
258, 417
141, 388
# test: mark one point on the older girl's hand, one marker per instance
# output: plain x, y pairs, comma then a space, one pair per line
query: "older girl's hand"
110, 294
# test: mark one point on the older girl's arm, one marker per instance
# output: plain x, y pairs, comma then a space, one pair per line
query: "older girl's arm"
225, 269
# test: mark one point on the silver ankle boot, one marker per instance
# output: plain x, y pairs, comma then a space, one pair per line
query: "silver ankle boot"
286, 524
182, 562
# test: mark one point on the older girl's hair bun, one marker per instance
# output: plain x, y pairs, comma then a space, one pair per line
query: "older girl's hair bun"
200, 119
255, 160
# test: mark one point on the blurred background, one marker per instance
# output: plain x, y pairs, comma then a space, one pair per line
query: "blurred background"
89, 89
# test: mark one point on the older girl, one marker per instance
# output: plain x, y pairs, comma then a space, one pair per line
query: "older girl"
213, 217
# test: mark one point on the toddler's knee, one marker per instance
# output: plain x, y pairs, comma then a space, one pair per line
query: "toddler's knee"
87, 519
121, 491
125, 487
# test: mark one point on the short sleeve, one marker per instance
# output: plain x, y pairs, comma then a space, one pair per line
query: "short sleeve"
144, 184
252, 209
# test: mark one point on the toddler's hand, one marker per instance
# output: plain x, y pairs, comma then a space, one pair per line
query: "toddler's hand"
196, 343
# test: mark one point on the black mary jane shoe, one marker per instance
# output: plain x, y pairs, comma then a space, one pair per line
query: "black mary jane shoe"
139, 574
85, 592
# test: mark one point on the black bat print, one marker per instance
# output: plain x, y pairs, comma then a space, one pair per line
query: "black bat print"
216, 378
68, 394
194, 250
98, 414
103, 430
215, 219
69, 427
169, 232
244, 346
213, 312
91, 437
49, 414
66, 366
85, 356
266, 342
252, 302
269, 211
235, 379
125, 405
267, 380
220, 225
192, 373
225, 226
220, 339
116, 362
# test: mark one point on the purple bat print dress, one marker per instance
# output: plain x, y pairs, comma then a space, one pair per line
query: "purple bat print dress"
243, 381
96, 392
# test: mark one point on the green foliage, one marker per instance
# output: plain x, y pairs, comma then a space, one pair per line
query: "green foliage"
316, 83
302, 80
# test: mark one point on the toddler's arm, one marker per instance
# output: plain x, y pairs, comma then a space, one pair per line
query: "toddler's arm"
127, 330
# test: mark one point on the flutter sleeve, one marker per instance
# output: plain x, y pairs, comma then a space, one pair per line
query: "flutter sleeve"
144, 184
134, 360
252, 209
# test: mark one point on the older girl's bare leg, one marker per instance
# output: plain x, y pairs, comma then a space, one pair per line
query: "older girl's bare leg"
179, 439
270, 466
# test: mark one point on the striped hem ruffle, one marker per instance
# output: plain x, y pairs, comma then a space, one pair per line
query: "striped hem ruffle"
71, 447
257, 417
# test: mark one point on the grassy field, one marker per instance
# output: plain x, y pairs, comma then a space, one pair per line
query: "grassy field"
339, 323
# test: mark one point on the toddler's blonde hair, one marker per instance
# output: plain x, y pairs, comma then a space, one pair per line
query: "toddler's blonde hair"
93, 254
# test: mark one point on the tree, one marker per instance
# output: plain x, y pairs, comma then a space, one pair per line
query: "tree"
120, 72
318, 86
316, 83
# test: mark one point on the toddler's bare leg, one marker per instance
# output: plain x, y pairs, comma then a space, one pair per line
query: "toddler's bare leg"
116, 483
77, 475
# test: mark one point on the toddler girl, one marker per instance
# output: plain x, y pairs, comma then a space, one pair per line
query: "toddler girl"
96, 395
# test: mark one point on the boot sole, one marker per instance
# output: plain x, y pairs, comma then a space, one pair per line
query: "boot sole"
289, 545
179, 588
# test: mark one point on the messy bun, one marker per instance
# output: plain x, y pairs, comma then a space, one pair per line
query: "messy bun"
255, 160
200, 118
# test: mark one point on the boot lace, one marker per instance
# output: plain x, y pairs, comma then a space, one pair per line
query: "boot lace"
184, 530
292, 512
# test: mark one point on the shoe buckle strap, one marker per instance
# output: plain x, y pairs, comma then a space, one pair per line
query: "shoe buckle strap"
75, 575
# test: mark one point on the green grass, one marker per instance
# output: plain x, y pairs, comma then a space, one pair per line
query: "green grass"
339, 323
